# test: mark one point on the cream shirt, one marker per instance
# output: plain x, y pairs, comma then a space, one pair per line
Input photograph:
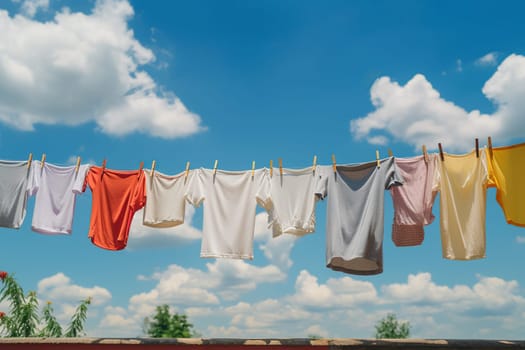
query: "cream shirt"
462, 181
165, 199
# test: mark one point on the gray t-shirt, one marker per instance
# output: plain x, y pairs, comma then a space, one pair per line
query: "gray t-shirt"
14, 186
355, 214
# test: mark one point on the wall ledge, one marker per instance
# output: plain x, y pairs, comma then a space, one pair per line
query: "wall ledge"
232, 343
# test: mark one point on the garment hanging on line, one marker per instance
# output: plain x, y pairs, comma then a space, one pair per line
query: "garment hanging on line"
116, 196
413, 201
355, 214
55, 189
462, 182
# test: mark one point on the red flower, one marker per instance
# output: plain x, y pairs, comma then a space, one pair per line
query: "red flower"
3, 275
2, 314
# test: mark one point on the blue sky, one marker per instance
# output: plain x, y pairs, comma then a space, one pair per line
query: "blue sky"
241, 81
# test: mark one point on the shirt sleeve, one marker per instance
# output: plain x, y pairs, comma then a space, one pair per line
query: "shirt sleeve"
321, 186
34, 178
393, 177
139, 194
91, 178
80, 178
487, 177
436, 179
263, 195
195, 191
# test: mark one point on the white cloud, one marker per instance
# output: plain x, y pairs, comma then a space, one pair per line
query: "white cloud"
489, 296
30, 7
141, 236
490, 59
520, 239
416, 113
80, 68
336, 291
338, 307
59, 288
192, 290
277, 250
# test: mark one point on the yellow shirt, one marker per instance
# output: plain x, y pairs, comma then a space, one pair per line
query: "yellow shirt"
506, 171
462, 181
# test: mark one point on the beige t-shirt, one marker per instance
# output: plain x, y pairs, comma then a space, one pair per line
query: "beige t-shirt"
165, 199
462, 181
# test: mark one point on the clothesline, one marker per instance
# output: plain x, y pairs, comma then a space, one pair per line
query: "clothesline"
355, 209
187, 168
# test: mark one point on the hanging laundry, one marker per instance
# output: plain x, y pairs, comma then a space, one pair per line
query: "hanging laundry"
15, 181
116, 196
230, 199
355, 214
413, 201
291, 201
56, 188
506, 168
462, 182
165, 204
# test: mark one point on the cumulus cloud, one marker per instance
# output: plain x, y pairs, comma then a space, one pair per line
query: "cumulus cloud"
416, 113
332, 294
193, 290
80, 68
337, 307
141, 236
277, 250
489, 296
490, 59
30, 7
59, 287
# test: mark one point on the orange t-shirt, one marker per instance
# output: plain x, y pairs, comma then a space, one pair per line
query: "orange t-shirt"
116, 196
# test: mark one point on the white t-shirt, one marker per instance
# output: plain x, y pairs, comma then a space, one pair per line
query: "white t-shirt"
165, 201
291, 202
15, 182
56, 188
230, 199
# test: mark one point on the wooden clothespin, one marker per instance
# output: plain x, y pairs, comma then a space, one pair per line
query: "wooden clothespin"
141, 166
153, 168
314, 164
390, 154
281, 166
271, 167
253, 168
477, 148
187, 170
489, 142
425, 154
29, 160
377, 159
441, 152
43, 161
77, 166
215, 167
103, 168
334, 165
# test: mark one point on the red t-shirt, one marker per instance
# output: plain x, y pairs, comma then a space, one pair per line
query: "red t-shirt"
116, 196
